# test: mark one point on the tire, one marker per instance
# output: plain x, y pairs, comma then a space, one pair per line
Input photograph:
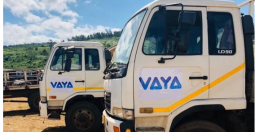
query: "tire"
33, 101
199, 126
83, 117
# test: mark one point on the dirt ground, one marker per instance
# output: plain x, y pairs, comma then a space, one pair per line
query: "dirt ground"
19, 118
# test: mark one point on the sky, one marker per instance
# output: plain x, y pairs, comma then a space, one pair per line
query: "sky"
35, 21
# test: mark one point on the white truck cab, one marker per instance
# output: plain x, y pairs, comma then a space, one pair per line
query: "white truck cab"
73, 83
182, 66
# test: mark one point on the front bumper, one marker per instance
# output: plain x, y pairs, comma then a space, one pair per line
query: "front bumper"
43, 109
109, 124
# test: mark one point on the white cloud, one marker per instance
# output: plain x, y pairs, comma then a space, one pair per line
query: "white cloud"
87, 1
70, 13
72, 20
115, 29
23, 8
32, 33
31, 18
64, 29
19, 7
38, 29
35, 28
57, 24
15, 34
55, 5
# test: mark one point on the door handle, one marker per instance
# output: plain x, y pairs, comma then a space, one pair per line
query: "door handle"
79, 80
202, 77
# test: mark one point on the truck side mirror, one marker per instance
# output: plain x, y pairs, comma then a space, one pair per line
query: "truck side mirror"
69, 56
68, 64
188, 18
108, 56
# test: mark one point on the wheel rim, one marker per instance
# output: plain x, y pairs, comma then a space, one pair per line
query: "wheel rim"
83, 119
36, 102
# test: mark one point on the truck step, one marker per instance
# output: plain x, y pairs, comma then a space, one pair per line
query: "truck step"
150, 129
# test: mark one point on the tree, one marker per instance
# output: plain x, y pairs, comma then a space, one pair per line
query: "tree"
44, 52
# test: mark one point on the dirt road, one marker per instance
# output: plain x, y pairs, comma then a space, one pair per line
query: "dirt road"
19, 118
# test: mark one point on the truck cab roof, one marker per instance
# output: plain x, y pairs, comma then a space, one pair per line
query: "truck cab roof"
212, 3
79, 43
206, 3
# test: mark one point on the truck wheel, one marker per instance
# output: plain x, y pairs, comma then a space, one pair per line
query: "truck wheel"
83, 117
33, 101
199, 126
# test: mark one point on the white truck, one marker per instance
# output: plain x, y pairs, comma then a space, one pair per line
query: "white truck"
182, 66
73, 83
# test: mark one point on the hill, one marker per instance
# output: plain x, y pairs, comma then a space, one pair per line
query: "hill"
26, 56
35, 55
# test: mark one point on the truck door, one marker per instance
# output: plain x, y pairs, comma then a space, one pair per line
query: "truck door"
226, 53
94, 68
61, 83
167, 86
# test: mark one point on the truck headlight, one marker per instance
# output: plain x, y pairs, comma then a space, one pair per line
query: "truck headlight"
43, 99
123, 113
128, 114
117, 112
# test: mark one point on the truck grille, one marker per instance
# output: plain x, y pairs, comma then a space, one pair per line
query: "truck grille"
107, 101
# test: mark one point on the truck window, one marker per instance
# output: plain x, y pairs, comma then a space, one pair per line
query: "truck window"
163, 26
58, 61
92, 59
127, 39
221, 33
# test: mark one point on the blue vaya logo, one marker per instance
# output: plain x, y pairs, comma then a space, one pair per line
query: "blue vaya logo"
155, 85
61, 85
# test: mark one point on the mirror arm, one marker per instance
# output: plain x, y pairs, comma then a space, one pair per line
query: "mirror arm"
106, 69
177, 37
60, 72
162, 60
180, 21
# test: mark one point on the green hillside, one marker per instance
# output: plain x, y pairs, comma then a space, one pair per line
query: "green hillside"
26, 56
36, 55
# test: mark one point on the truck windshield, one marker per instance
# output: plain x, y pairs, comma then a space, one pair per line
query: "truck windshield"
127, 38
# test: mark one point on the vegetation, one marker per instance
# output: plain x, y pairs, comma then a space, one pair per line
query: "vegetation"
108, 38
35, 55
26, 56
107, 34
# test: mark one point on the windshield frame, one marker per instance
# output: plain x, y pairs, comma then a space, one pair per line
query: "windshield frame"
145, 9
